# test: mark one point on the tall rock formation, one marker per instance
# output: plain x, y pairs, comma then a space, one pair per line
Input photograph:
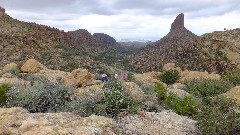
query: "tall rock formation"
179, 46
178, 23
2, 11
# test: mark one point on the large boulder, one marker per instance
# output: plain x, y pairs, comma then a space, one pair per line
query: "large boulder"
78, 78
32, 66
163, 123
15, 121
10, 66
187, 76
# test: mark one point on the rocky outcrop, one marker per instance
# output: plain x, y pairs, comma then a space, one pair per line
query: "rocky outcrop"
32, 66
182, 47
104, 38
163, 123
187, 76
15, 121
78, 78
178, 23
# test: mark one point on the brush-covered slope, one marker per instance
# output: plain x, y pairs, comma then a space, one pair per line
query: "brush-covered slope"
56, 49
226, 42
179, 46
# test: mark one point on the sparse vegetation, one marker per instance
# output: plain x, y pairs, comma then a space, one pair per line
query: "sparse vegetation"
41, 97
169, 76
232, 76
3, 94
116, 98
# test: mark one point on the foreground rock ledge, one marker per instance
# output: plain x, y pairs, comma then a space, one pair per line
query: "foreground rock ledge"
14, 121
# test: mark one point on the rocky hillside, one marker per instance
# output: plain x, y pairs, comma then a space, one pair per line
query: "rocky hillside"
225, 42
54, 48
179, 46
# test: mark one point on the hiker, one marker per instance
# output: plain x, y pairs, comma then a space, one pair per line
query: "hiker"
124, 76
104, 78
116, 76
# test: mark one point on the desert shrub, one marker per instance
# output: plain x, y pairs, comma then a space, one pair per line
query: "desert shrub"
85, 108
169, 76
147, 89
232, 76
33, 78
208, 88
116, 98
186, 106
161, 92
14, 71
219, 117
3, 94
41, 97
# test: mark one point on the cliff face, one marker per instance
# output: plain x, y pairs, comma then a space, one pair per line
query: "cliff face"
179, 46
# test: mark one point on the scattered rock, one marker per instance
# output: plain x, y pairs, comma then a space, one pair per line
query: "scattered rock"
19, 121
13, 80
179, 92
163, 123
178, 86
10, 66
53, 76
78, 78
90, 93
172, 66
234, 94
32, 66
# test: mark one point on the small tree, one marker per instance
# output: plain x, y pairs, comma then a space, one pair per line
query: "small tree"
170, 76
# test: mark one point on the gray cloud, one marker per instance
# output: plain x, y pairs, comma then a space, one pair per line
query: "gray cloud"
126, 18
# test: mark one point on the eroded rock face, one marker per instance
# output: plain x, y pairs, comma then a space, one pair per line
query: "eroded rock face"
178, 22
19, 121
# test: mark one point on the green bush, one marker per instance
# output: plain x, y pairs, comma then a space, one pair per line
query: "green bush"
116, 98
161, 92
170, 76
219, 117
208, 88
3, 94
186, 106
232, 76
41, 97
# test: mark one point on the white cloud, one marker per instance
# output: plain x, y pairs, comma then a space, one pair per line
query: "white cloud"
127, 19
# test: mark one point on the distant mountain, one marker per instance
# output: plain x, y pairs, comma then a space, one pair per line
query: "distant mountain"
179, 46
135, 43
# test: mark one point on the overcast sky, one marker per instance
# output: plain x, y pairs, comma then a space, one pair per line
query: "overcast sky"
127, 19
